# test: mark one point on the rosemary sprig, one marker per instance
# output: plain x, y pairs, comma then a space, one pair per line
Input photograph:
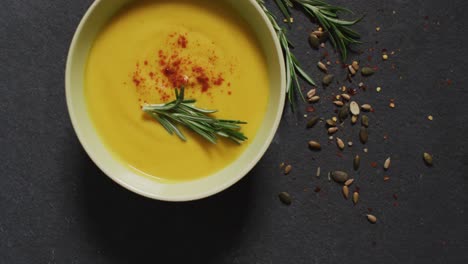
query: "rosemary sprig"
340, 33
293, 68
183, 112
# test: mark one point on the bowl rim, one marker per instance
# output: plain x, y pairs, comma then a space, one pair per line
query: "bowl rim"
210, 191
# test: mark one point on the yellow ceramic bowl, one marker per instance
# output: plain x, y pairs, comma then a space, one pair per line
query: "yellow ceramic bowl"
94, 20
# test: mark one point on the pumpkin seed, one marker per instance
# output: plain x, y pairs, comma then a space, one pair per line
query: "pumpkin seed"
314, 41
347, 97
344, 112
366, 107
311, 93
339, 176
331, 122
318, 172
427, 158
340, 143
355, 65
372, 218
352, 71
287, 169
332, 130
311, 123
322, 66
327, 79
314, 145
363, 135
338, 103
355, 197
366, 71
349, 182
354, 119
356, 162
365, 120
346, 192
314, 99
387, 163
354, 108
285, 198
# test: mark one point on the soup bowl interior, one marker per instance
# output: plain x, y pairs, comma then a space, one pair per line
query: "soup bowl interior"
94, 20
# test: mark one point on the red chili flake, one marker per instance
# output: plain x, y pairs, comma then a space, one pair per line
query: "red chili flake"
229, 92
310, 109
449, 82
369, 210
395, 196
376, 68
369, 58
317, 189
182, 41
395, 204
385, 137
374, 164
426, 17
339, 154
386, 178
357, 189
352, 91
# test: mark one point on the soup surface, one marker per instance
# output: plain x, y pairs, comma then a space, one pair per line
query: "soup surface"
147, 50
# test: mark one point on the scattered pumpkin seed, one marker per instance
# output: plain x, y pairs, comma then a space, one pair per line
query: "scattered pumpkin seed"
355, 197
354, 108
340, 143
345, 192
430, 117
314, 145
385, 57
287, 169
367, 71
332, 130
365, 120
312, 122
378, 89
349, 182
314, 41
311, 93
366, 107
285, 198
339, 176
354, 119
347, 97
356, 162
344, 112
338, 103
372, 218
314, 99
327, 79
350, 143
387, 163
352, 71
427, 158
322, 66
355, 65
392, 105
363, 135
318, 172
331, 122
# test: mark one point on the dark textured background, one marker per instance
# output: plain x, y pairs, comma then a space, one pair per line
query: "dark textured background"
57, 207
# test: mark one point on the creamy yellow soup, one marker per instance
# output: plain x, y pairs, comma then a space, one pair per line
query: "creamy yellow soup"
147, 50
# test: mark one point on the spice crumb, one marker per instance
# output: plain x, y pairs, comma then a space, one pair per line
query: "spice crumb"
392, 105
377, 29
430, 118
378, 89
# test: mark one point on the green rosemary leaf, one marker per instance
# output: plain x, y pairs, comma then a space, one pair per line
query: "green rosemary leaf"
185, 113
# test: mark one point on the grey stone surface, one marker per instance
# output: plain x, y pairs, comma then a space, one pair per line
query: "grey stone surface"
57, 207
